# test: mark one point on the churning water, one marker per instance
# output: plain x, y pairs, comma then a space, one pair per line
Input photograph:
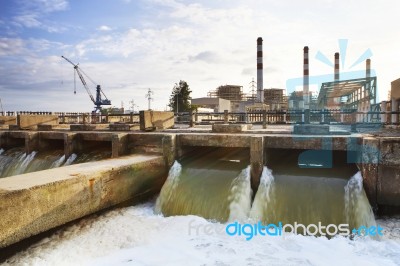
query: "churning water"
186, 224
15, 161
137, 236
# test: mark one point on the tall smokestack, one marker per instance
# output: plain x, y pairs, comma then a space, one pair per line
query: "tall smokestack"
306, 79
368, 68
260, 85
337, 74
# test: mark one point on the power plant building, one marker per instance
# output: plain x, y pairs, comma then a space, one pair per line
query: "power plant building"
233, 93
217, 104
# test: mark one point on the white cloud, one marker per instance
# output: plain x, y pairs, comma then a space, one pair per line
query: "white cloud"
205, 45
11, 46
31, 14
104, 28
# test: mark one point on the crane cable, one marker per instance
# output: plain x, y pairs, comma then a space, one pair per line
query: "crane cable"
74, 81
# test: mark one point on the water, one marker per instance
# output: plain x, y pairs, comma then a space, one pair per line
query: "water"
310, 200
185, 225
137, 236
208, 189
15, 161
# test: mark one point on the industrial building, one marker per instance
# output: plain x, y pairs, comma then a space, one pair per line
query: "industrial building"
358, 94
275, 99
233, 93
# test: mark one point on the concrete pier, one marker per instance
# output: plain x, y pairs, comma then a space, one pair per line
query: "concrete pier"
35, 202
256, 161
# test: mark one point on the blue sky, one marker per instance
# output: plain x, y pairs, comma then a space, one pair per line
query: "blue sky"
128, 46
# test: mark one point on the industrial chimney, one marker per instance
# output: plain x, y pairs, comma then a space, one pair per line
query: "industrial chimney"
337, 75
260, 89
306, 79
368, 68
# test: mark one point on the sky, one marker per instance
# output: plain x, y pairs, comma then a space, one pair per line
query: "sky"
129, 46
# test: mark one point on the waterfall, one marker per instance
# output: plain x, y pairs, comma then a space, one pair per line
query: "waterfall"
59, 162
240, 197
70, 159
15, 161
169, 187
308, 200
357, 210
24, 162
263, 195
213, 193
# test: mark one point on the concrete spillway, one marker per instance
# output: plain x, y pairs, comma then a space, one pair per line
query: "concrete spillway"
16, 161
226, 196
36, 202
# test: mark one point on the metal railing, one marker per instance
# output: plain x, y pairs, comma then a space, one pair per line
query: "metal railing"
82, 118
326, 116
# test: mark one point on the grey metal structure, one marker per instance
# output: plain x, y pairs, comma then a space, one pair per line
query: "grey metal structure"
347, 94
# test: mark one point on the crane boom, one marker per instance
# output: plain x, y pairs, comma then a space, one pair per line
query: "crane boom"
97, 101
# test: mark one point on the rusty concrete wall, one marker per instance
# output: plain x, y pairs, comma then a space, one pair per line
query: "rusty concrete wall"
388, 185
8, 120
35, 202
31, 121
154, 120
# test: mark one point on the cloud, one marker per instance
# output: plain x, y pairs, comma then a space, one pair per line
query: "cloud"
11, 46
104, 28
206, 56
32, 14
43, 6
248, 71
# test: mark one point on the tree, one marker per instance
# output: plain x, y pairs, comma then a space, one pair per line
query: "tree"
180, 98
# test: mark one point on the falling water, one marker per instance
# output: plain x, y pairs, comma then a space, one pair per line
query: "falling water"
357, 209
71, 159
59, 162
240, 197
169, 187
15, 161
212, 193
309, 200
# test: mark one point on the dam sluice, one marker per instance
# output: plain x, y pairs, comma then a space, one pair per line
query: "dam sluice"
194, 187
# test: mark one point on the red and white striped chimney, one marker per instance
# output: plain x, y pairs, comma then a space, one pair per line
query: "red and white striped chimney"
337, 73
368, 68
306, 79
260, 89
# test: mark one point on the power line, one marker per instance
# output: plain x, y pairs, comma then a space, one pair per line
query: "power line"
133, 105
149, 98
253, 87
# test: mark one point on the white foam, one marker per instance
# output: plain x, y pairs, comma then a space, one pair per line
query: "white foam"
136, 236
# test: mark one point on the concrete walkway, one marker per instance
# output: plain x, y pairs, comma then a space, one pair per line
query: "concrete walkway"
36, 202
